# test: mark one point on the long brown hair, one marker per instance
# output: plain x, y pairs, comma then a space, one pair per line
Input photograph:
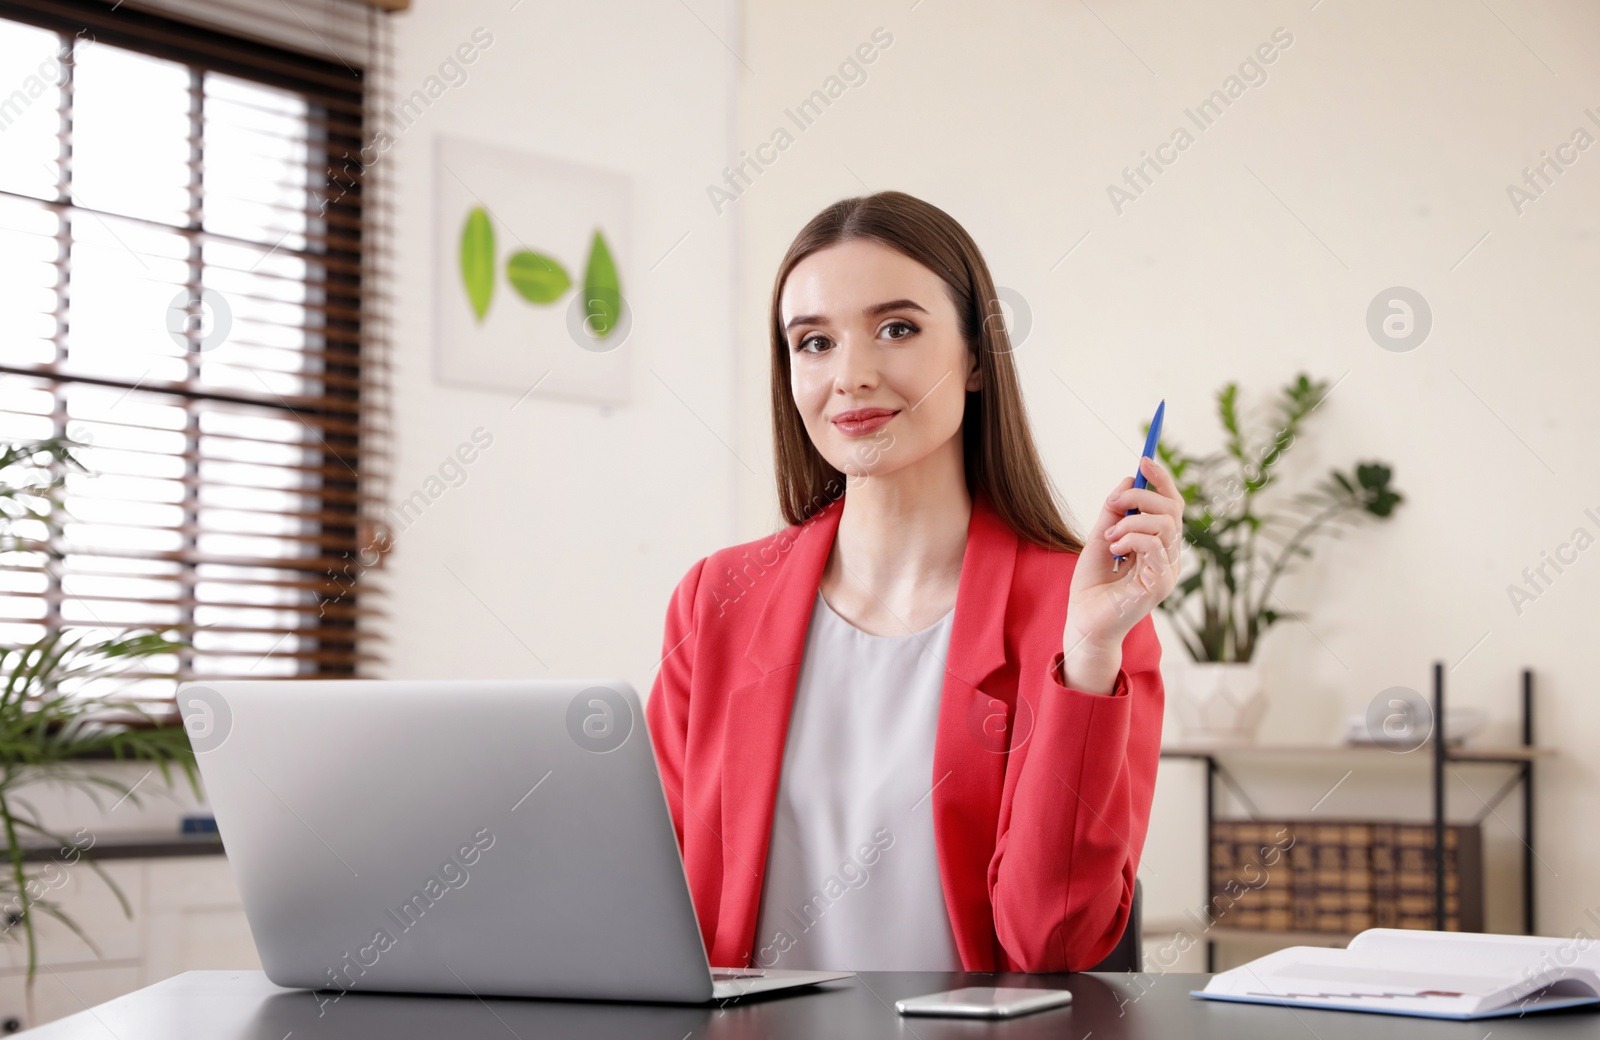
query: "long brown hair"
1001, 461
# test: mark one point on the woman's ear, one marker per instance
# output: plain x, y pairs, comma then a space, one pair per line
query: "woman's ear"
974, 374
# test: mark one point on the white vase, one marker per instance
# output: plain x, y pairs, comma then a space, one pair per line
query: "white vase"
1221, 702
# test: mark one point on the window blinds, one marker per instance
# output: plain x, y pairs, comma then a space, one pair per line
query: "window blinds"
192, 271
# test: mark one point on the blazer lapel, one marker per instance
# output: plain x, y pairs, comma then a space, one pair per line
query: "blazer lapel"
757, 722
969, 755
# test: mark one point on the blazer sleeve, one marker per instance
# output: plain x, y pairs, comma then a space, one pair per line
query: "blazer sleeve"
667, 710
1075, 810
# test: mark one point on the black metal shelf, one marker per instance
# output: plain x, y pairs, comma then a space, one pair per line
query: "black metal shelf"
1521, 759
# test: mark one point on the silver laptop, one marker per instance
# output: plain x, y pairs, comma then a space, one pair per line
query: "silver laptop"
505, 838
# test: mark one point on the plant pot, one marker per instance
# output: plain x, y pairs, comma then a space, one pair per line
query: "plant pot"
1221, 702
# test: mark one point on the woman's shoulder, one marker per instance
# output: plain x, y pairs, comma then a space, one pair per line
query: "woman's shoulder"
727, 575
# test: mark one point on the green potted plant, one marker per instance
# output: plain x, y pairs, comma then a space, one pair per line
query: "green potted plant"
1238, 551
59, 714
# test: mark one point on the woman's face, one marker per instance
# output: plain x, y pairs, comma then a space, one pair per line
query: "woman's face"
870, 329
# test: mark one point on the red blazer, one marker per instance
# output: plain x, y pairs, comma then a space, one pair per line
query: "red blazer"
1041, 793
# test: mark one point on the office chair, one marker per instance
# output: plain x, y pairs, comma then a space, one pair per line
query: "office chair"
1128, 954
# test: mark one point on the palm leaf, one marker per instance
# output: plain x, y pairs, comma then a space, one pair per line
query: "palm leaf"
52, 720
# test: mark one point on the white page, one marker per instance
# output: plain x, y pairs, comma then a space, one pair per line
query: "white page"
1316, 974
1417, 971
1514, 956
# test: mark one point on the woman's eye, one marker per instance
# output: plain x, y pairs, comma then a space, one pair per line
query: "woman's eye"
905, 325
808, 340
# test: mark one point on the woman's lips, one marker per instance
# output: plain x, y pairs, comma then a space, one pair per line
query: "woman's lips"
861, 427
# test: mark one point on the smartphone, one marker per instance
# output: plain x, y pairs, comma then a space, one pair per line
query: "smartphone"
985, 1002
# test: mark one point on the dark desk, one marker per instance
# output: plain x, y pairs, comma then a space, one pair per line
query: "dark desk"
234, 1005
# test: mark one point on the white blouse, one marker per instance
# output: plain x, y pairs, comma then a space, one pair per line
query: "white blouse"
852, 880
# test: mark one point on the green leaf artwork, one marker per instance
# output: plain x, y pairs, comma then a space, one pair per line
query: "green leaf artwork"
602, 294
477, 260
539, 278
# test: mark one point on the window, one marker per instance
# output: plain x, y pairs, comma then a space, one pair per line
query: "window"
187, 287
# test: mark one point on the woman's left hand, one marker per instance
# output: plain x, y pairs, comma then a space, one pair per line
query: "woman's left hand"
1104, 604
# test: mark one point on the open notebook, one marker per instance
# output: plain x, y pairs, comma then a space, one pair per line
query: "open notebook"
1412, 972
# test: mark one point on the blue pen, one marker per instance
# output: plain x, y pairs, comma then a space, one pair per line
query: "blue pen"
1150, 442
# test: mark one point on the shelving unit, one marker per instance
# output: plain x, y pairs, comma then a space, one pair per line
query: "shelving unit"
1520, 759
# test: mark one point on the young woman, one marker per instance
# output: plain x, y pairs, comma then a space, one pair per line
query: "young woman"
918, 728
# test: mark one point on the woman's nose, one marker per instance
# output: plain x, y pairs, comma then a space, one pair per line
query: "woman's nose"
858, 365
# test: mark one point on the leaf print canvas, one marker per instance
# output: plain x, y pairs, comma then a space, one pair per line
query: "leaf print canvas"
532, 274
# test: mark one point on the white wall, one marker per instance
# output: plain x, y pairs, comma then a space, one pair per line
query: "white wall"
571, 530
1377, 153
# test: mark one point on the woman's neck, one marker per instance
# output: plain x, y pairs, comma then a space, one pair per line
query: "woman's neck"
896, 561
